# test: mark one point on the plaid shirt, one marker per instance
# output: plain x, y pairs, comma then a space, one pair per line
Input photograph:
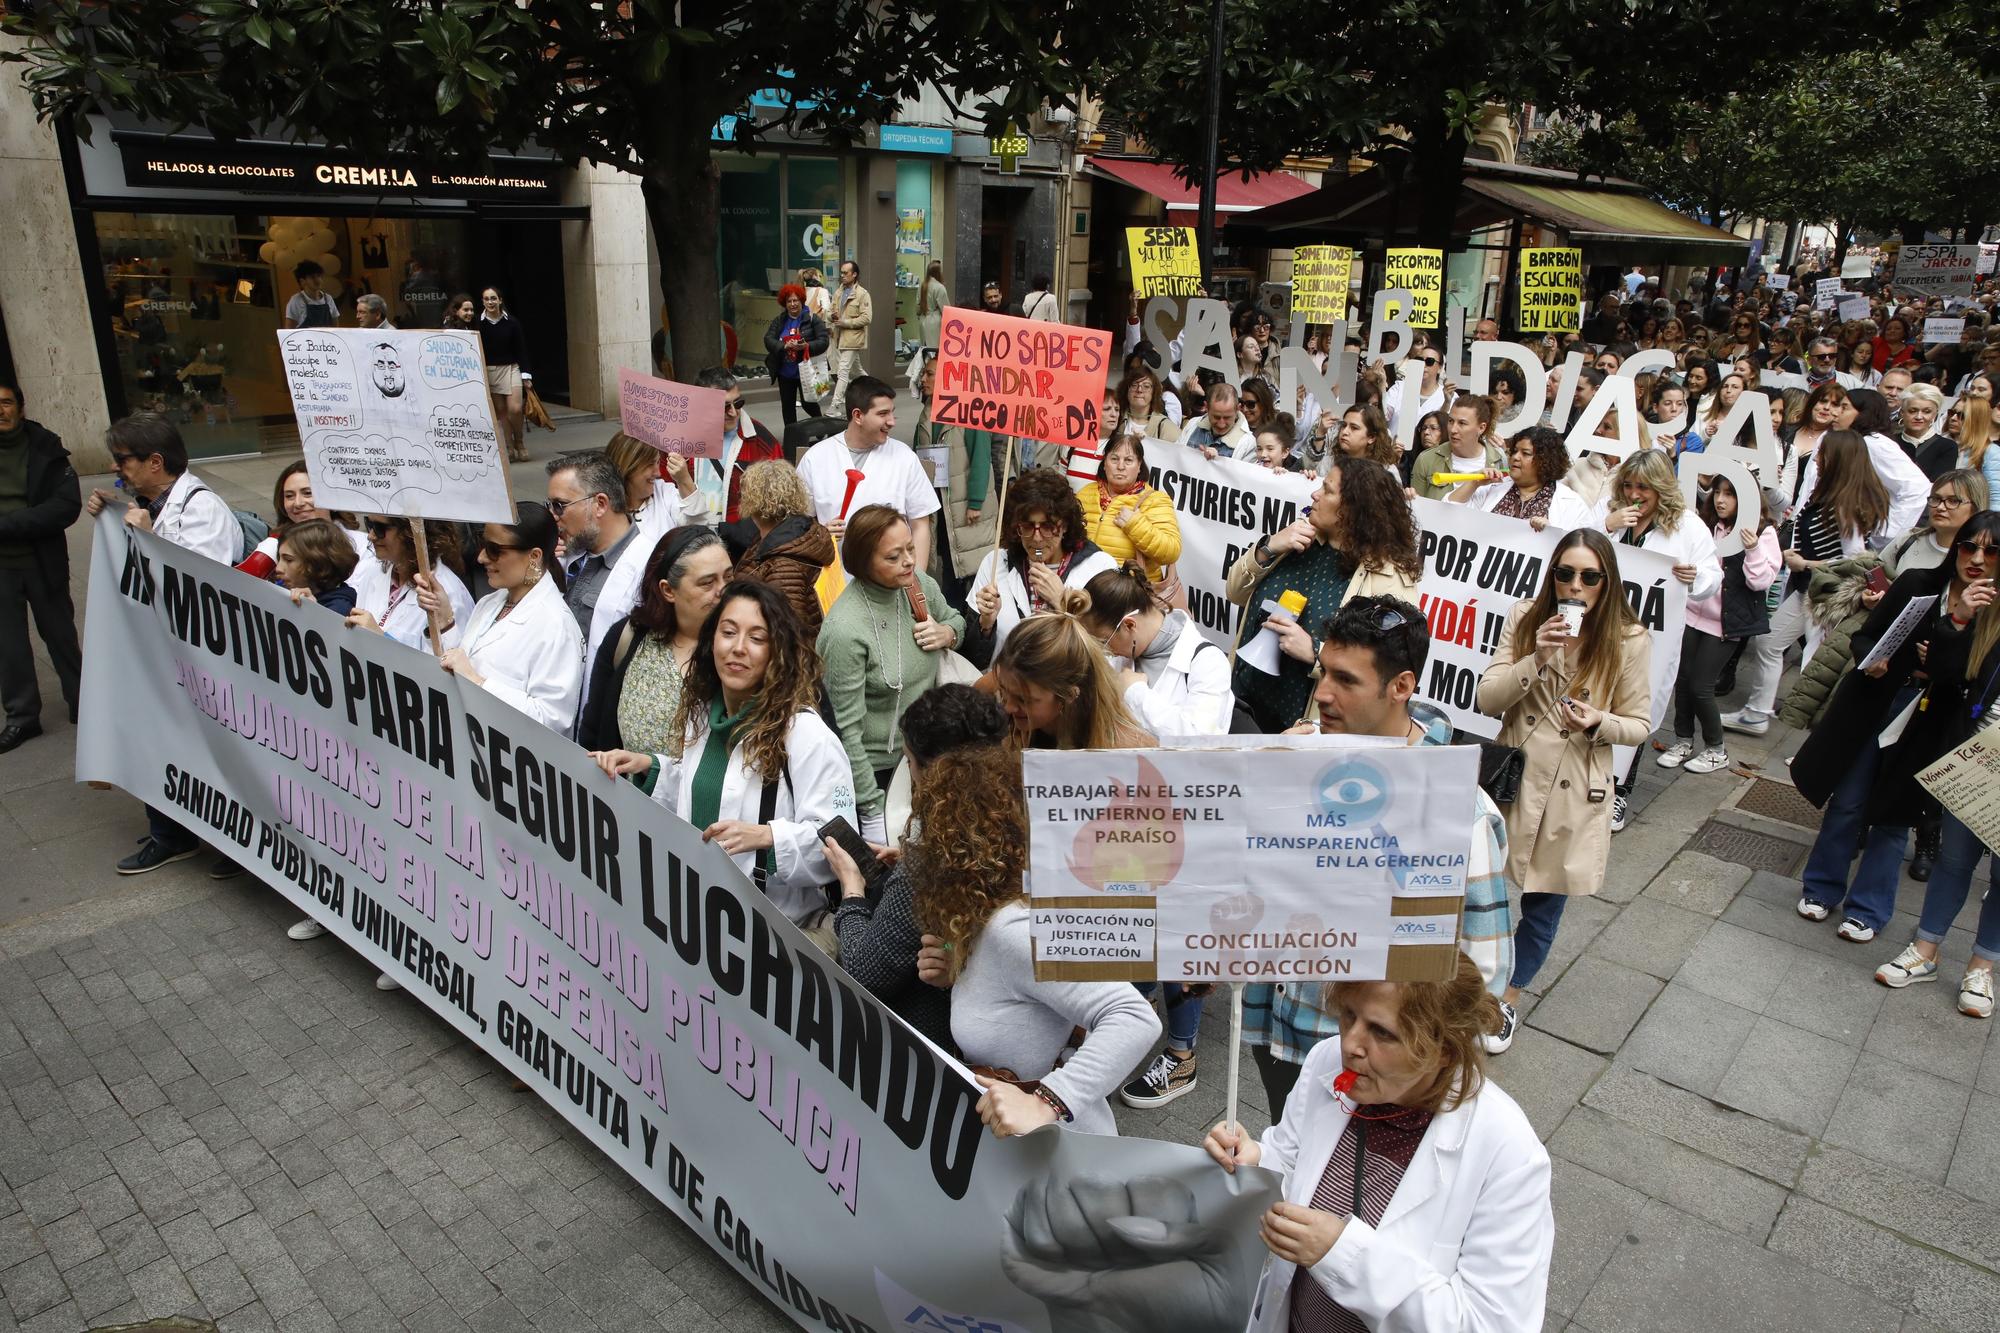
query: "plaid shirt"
1287, 1017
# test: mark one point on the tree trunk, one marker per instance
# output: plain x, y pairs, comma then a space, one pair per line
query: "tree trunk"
1911, 232
1840, 230
1437, 173
683, 207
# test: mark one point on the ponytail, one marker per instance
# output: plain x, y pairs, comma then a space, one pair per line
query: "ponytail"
1113, 595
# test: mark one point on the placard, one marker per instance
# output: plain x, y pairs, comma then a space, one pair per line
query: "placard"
1851, 305
397, 422
1780, 281
1988, 254
1421, 273
674, 418
1936, 270
1900, 629
1551, 283
1022, 377
1967, 782
1248, 865
1938, 329
1321, 278
1165, 261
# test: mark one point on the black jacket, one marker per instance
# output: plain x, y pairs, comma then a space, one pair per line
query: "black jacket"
597, 725
54, 501
811, 328
1746, 612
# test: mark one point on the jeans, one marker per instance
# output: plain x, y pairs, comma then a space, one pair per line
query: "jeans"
1280, 1077
1703, 656
1183, 1012
1767, 653
163, 830
1534, 933
1951, 879
790, 399
1843, 828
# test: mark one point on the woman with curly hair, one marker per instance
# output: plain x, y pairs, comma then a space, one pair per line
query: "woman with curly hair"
793, 547
748, 761
1531, 488
1364, 433
1046, 549
385, 589
1057, 687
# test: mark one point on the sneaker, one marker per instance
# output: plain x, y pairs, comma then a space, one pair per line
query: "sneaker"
152, 855
223, 868
1854, 931
307, 929
1496, 1043
1709, 760
1618, 811
1747, 722
1675, 755
1975, 993
1906, 969
1813, 911
1168, 1077
383, 981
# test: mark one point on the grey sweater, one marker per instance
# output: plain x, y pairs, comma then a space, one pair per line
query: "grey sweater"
1002, 1016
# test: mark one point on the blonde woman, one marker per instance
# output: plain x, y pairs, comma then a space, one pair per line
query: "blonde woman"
1058, 689
1979, 444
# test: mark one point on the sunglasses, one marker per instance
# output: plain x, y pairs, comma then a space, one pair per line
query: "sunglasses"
1039, 525
1985, 549
1589, 578
732, 404
556, 507
120, 460
1433, 361
377, 528
1387, 618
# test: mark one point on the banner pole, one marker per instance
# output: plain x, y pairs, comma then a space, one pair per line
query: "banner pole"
423, 546
1236, 1050
1006, 476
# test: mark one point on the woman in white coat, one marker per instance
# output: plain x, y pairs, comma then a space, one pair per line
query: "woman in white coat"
1416, 1191
1043, 551
1175, 681
521, 642
1532, 486
754, 767
385, 585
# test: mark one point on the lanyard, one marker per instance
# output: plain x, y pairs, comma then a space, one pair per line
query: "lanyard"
1360, 1161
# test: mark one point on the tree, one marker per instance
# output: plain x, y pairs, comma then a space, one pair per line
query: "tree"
1709, 164
639, 85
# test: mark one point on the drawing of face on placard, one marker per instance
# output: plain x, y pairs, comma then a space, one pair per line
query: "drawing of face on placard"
320, 373
385, 370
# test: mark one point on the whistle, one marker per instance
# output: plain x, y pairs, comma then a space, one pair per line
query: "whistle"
1346, 1081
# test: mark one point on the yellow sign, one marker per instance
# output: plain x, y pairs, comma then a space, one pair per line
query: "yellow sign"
1551, 282
1320, 278
1164, 261
1421, 273
829, 239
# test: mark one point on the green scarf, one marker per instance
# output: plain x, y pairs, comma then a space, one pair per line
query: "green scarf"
705, 797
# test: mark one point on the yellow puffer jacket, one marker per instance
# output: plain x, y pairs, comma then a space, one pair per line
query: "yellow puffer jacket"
1153, 535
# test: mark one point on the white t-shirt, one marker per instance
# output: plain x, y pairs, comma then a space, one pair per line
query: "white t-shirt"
295, 309
892, 475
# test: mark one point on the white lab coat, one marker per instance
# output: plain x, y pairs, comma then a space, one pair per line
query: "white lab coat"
817, 784
1689, 544
407, 624
1014, 603
1192, 696
1567, 509
1464, 1245
197, 519
533, 659
1909, 489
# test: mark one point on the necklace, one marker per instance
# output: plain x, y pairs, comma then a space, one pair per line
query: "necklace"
875, 628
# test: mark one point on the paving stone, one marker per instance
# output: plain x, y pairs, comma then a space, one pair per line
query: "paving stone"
1696, 882
1741, 1140
1787, 1075
1921, 1026
1940, 1218
1662, 1169
1835, 997
1596, 1004
33, 1286
97, 1286
161, 1289
72, 1240
134, 1242
1899, 1115
1975, 1165
1582, 919
1650, 937
191, 1240
221, 1286
1687, 1038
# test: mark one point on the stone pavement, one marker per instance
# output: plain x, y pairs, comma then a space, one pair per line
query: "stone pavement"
202, 1117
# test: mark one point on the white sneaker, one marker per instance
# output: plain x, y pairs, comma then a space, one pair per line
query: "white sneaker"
1906, 969
1747, 722
1975, 993
1853, 930
1619, 810
1675, 755
1496, 1043
1709, 761
307, 929
1813, 911
384, 981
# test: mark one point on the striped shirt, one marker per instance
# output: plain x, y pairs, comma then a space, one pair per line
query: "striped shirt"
1384, 1140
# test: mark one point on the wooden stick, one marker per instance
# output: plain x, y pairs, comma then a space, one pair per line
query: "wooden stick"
424, 568
1235, 1049
1006, 475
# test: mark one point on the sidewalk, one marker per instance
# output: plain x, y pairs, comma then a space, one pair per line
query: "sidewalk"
202, 1117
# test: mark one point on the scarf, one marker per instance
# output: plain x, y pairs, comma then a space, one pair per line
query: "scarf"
705, 796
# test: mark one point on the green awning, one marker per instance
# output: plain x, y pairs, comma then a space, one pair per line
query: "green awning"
1614, 225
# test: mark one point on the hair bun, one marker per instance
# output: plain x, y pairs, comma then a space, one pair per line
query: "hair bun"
1075, 603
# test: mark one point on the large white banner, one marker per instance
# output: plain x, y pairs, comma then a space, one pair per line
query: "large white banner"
596, 948
397, 422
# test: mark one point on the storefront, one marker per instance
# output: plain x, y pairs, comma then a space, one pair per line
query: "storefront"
189, 247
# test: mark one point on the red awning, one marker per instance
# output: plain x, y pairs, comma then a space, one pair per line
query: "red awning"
1233, 195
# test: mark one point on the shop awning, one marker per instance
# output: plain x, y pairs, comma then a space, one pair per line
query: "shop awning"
1614, 225
1233, 194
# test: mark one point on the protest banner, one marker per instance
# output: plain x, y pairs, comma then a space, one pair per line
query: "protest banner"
397, 422
674, 418
1936, 270
1020, 377
1164, 261
1826, 291
1851, 305
1551, 283
1938, 329
594, 947
1321, 276
1421, 273
1967, 782
1223, 507
1477, 565
1249, 865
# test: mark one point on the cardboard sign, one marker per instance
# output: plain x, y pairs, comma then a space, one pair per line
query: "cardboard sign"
1164, 261
1940, 330
1321, 275
1029, 378
1936, 270
1851, 305
1551, 282
1421, 273
397, 422
672, 417
1967, 782
1325, 864
1988, 254
1780, 281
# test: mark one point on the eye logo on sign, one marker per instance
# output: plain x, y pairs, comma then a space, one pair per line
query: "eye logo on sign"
1354, 788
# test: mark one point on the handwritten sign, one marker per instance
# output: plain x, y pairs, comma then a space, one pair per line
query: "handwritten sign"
1899, 631
1851, 305
673, 418
1164, 261
1967, 782
1780, 281
1321, 275
1421, 273
1551, 289
1936, 270
1940, 330
397, 422
1029, 378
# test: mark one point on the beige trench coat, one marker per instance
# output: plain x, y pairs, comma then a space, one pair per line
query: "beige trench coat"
1559, 830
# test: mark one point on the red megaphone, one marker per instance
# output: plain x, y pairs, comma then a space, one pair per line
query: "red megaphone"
855, 476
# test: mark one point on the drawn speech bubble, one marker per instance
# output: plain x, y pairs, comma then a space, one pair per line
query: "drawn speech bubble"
448, 360
322, 380
379, 469
462, 441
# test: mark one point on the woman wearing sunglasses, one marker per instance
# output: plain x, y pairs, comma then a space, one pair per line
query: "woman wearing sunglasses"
1571, 679
1045, 551
384, 586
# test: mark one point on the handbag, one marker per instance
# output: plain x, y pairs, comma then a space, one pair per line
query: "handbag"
532, 410
814, 376
1500, 769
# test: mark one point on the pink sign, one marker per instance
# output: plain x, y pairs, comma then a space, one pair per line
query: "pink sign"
674, 418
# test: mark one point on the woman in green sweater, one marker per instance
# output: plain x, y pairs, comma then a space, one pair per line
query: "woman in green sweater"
879, 648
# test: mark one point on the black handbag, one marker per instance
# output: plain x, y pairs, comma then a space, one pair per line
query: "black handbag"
1500, 768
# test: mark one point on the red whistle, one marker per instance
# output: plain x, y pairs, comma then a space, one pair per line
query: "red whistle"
855, 476
1346, 1081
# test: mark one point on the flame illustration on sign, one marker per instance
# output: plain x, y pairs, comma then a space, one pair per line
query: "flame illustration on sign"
1135, 845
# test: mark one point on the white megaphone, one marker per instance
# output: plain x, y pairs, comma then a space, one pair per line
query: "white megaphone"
1262, 651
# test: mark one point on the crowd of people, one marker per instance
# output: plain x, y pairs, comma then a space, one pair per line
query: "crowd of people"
873, 636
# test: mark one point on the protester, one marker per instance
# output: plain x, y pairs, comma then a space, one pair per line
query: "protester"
1364, 433
1564, 697
1058, 690
659, 488
1044, 551
315, 560
1431, 1210
1273, 444
507, 371
173, 503
883, 640
1124, 517
1917, 436
793, 340
383, 584
1825, 408
719, 482
1893, 348
1220, 429
864, 465
634, 689
292, 502
1143, 408
1531, 488
792, 547
1719, 624
39, 500
962, 472
853, 312
1979, 444
603, 550
1955, 497
749, 762
1466, 447
1176, 682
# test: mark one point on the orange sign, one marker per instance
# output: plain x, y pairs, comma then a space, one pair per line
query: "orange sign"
1021, 377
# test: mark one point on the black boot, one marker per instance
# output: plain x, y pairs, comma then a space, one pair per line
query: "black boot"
1929, 836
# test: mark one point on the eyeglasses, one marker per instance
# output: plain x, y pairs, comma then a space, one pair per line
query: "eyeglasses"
556, 507
120, 460
1948, 501
1040, 525
732, 404
1433, 361
1985, 549
1589, 578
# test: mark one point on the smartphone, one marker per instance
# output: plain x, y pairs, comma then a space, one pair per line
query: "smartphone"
873, 872
1878, 579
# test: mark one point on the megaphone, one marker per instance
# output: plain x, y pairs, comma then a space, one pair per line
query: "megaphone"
1262, 652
